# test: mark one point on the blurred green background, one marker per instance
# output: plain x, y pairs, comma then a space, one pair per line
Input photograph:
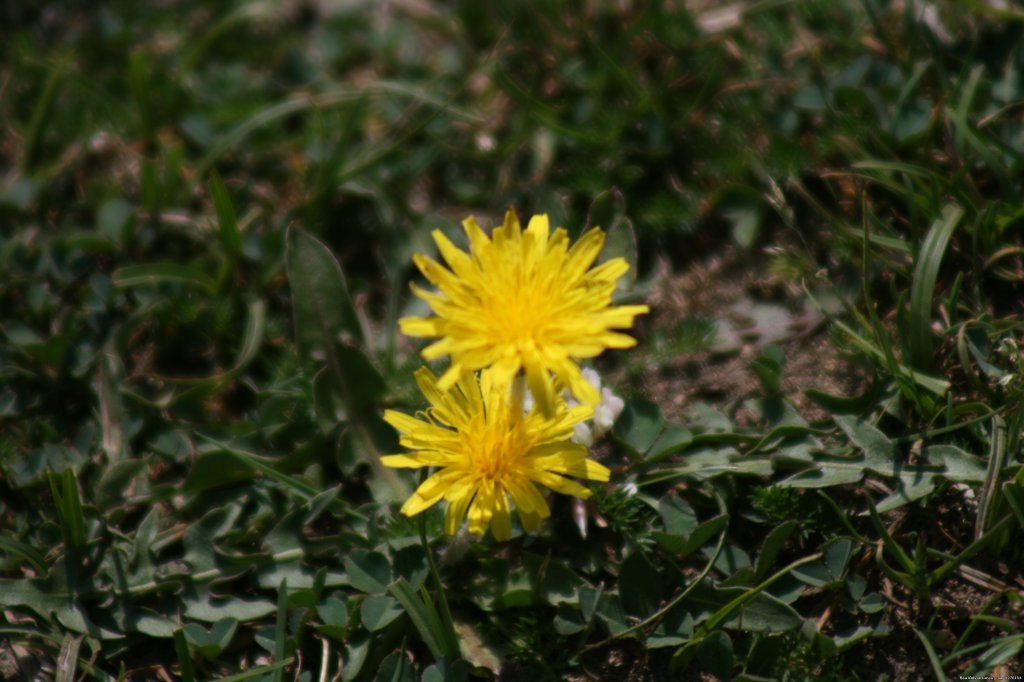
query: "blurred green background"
190, 388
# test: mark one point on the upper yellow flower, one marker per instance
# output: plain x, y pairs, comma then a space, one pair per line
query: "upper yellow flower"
522, 300
487, 450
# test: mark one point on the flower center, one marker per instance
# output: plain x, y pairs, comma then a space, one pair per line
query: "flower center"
518, 316
496, 451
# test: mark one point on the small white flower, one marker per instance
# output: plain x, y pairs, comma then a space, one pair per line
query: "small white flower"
605, 413
630, 489
582, 435
593, 377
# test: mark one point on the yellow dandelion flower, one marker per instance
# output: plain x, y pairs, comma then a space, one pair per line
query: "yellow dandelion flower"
522, 300
487, 450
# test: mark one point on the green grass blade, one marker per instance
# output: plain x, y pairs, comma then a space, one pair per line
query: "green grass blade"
427, 623
922, 290
25, 552
155, 274
281, 629
227, 220
933, 658
41, 115
67, 661
889, 542
188, 673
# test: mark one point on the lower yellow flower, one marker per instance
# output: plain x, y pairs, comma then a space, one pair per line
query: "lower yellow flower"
487, 450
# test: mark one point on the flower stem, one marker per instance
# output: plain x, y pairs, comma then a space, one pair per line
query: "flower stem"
518, 402
452, 644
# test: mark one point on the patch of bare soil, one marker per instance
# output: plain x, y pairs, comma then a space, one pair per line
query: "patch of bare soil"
749, 308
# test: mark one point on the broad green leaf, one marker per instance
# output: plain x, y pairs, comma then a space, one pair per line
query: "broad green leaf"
771, 547
357, 648
640, 586
379, 611
683, 546
210, 643
118, 478
368, 572
396, 667
334, 615
672, 440
210, 610
114, 219
677, 516
448, 671
568, 620
639, 426
320, 300
716, 654
878, 450
762, 613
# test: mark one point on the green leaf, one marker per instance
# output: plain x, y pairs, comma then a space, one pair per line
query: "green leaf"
114, 219
68, 658
42, 109
116, 480
677, 516
640, 586
379, 611
368, 572
878, 450
320, 300
396, 667
772, 546
568, 620
672, 440
281, 629
155, 274
440, 640
926, 270
210, 643
334, 615
639, 426
448, 671
357, 649
24, 552
69, 508
184, 656
230, 237
209, 610
701, 535
716, 654
759, 613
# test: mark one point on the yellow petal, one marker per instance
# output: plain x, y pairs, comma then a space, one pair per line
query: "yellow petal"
459, 498
527, 498
420, 326
403, 422
482, 508
501, 521
583, 254
402, 462
430, 492
458, 260
448, 379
